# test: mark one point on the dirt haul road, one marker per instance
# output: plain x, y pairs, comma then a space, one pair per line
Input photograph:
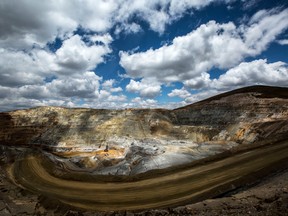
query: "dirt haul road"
170, 189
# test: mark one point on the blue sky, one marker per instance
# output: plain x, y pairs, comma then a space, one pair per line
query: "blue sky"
120, 54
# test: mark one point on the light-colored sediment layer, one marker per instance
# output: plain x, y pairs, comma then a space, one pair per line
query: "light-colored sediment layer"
127, 156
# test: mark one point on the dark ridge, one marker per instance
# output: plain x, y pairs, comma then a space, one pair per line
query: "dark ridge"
264, 91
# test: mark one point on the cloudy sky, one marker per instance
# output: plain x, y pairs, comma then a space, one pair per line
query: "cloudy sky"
135, 53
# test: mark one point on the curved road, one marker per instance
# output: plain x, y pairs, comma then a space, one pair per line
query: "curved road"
172, 189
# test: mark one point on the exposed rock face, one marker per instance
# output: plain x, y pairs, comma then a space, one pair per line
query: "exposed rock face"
139, 140
84, 150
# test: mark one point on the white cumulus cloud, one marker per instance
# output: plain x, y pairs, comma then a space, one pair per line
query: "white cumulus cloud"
146, 88
27, 22
32, 74
182, 93
189, 58
76, 56
283, 42
251, 73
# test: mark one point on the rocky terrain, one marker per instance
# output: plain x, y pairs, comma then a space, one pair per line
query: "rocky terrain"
141, 140
134, 143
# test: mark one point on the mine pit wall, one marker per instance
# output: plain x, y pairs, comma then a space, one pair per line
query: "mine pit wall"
241, 118
13, 134
51, 126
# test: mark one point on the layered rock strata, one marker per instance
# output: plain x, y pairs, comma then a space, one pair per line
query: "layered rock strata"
131, 141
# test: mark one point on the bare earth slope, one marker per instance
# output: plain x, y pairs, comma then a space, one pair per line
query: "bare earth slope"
137, 159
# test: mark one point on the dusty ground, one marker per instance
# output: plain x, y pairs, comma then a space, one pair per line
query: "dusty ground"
269, 196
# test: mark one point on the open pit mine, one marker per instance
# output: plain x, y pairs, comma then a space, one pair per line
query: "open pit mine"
63, 161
